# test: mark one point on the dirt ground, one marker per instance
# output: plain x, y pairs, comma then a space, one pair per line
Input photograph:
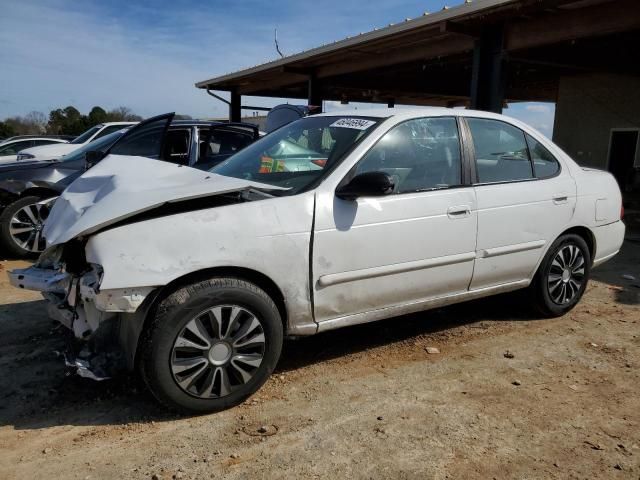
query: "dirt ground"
362, 402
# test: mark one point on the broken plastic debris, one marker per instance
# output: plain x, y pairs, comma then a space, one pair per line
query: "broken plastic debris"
83, 369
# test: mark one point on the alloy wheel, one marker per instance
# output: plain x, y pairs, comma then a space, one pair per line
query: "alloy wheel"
26, 226
218, 351
566, 274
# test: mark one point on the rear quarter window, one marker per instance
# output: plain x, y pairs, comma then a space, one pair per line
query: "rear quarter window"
545, 164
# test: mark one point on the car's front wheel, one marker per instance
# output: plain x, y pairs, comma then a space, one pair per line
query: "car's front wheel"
211, 345
562, 276
21, 225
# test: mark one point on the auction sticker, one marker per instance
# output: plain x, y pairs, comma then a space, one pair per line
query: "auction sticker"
357, 123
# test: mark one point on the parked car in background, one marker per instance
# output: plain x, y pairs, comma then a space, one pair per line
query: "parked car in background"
9, 148
195, 277
57, 151
28, 188
68, 138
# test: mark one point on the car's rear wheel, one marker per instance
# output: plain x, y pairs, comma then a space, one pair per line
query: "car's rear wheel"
562, 276
211, 345
21, 225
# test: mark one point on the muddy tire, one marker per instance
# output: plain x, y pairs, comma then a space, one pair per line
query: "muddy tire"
211, 345
21, 227
562, 276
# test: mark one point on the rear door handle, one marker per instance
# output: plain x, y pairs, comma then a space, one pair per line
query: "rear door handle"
558, 199
460, 211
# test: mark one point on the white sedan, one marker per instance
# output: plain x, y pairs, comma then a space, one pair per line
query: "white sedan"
198, 276
9, 148
51, 152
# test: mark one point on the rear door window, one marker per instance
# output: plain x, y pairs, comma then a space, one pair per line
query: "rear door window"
218, 144
177, 146
43, 142
501, 151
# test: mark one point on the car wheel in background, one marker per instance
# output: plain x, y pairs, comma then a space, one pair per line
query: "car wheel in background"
21, 225
562, 276
211, 345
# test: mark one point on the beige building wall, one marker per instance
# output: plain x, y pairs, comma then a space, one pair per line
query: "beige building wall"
588, 108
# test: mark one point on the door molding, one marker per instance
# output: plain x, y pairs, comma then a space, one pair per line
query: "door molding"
396, 310
344, 277
519, 247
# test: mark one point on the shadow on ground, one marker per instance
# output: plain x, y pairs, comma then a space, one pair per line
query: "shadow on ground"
622, 274
36, 390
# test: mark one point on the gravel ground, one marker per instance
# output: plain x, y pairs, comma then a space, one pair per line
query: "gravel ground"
507, 396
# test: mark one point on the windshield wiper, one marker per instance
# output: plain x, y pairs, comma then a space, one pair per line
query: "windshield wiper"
261, 192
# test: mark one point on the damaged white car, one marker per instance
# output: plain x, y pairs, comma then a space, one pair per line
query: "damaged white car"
333, 220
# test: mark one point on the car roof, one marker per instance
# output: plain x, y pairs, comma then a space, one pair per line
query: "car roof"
22, 139
193, 122
106, 124
412, 112
208, 123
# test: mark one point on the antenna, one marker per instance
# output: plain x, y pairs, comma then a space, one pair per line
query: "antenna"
277, 46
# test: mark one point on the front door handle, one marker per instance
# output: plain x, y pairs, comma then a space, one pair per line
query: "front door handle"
459, 211
558, 199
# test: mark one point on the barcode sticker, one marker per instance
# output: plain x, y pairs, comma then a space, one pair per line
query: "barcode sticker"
357, 123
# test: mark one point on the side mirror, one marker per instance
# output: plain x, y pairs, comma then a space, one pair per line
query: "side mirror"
92, 157
369, 184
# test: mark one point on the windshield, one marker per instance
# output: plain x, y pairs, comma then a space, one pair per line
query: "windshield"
102, 144
86, 135
298, 154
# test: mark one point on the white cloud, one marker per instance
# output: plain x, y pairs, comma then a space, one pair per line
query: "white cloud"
540, 117
85, 59
538, 108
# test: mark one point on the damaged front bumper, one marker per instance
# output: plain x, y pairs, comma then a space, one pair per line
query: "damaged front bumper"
106, 323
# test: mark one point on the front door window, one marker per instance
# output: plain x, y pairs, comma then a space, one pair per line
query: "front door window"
421, 154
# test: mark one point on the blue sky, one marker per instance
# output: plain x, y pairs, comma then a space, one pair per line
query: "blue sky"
147, 55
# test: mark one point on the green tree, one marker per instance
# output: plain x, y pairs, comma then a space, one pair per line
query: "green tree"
6, 130
67, 121
31, 124
64, 121
97, 115
123, 114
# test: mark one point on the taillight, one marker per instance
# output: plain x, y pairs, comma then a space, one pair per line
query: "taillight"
621, 212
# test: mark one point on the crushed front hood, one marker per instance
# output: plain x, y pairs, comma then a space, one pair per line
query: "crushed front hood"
122, 186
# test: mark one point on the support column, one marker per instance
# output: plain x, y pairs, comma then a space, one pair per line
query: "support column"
488, 77
314, 97
235, 107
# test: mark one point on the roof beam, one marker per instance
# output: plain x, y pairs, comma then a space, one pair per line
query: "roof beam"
459, 29
437, 48
569, 24
444, 47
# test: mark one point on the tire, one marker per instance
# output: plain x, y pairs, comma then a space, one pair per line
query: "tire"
15, 213
186, 336
551, 280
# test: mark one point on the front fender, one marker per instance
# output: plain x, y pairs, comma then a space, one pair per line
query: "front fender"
10, 190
